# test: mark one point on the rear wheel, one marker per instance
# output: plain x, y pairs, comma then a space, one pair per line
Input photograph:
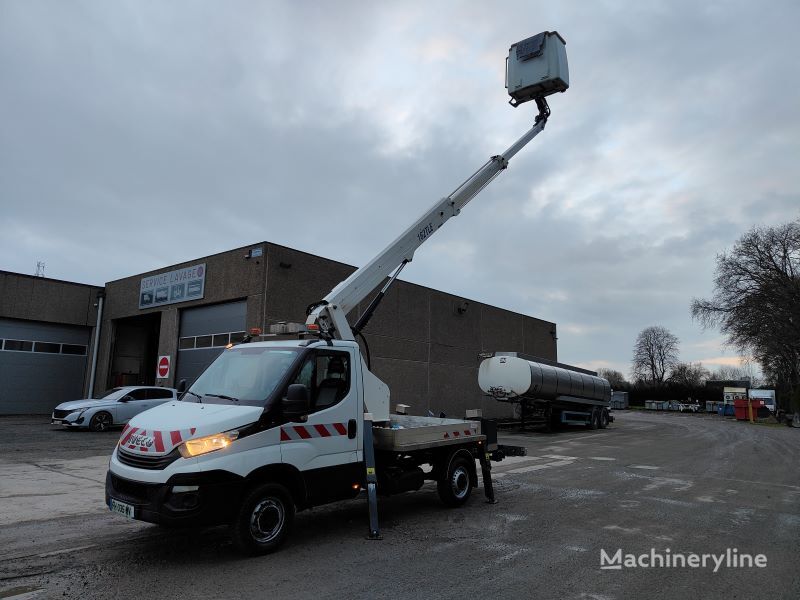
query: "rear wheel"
101, 421
603, 418
594, 420
455, 485
264, 519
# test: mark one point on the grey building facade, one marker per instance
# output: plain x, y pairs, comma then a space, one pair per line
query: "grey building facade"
423, 343
46, 339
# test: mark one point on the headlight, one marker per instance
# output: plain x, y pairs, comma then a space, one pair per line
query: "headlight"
207, 444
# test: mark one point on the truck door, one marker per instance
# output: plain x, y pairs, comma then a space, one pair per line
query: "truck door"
325, 443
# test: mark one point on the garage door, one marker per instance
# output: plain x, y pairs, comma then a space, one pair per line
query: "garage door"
41, 365
204, 333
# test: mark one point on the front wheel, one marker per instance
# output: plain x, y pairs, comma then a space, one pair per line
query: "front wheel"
101, 421
455, 485
264, 519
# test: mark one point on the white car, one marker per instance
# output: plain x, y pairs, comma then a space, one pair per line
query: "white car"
116, 407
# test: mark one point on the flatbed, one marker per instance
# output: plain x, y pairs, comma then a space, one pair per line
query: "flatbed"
409, 433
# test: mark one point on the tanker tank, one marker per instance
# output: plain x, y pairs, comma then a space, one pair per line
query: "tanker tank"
511, 378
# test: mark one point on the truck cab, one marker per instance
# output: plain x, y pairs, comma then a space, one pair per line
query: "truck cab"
290, 413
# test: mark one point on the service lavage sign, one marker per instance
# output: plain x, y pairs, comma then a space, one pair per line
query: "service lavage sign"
180, 285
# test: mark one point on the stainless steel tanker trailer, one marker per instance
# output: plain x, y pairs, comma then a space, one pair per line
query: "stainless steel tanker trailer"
548, 393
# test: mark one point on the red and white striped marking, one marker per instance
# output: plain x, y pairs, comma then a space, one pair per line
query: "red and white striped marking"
304, 432
448, 435
157, 442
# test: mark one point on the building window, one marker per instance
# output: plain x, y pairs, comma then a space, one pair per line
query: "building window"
47, 347
75, 349
18, 345
221, 339
215, 340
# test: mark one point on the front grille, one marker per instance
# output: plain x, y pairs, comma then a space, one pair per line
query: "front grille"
132, 490
60, 414
143, 461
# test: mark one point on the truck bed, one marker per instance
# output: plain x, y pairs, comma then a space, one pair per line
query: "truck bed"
407, 433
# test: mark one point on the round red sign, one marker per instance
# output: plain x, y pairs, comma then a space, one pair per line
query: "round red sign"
163, 366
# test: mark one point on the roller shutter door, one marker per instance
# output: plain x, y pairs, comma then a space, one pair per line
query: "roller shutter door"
41, 365
204, 333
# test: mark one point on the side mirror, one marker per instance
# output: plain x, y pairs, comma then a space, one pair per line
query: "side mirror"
296, 402
181, 386
127, 398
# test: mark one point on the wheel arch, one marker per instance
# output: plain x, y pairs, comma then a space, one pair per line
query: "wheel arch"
447, 457
286, 475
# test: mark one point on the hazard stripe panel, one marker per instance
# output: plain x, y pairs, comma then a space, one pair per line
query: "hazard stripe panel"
304, 432
155, 442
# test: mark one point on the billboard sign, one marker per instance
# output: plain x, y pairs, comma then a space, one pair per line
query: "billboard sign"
180, 285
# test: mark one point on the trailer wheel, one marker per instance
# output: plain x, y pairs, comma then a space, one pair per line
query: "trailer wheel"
264, 519
455, 484
594, 420
603, 418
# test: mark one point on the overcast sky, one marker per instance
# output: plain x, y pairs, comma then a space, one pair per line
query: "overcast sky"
135, 135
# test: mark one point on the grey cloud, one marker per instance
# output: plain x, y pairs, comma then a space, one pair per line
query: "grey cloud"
136, 135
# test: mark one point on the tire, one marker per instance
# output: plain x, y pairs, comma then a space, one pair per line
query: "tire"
594, 420
455, 485
101, 421
264, 519
603, 418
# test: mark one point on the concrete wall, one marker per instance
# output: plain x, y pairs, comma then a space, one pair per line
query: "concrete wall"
48, 300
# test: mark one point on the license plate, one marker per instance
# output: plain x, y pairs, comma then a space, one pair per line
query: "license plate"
56, 422
126, 510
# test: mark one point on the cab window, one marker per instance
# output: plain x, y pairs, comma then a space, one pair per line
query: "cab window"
326, 374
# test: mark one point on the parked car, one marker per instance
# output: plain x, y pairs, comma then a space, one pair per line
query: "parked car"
116, 407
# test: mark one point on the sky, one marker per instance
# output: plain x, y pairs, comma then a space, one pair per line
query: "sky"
135, 135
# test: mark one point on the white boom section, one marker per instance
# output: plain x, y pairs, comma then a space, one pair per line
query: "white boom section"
331, 314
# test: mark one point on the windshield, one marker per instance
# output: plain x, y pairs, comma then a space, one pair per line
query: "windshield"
242, 375
112, 394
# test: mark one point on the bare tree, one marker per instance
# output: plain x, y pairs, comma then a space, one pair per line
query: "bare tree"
615, 378
690, 375
756, 301
654, 355
747, 370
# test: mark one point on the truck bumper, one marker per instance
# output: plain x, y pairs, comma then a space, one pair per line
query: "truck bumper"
208, 498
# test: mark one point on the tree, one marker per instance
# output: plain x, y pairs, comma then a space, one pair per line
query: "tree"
654, 354
615, 378
689, 375
756, 301
747, 370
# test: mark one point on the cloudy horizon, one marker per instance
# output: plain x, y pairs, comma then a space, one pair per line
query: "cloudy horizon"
137, 135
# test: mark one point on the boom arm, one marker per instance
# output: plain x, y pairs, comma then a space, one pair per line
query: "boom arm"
330, 314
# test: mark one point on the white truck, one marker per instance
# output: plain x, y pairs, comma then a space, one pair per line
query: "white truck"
272, 427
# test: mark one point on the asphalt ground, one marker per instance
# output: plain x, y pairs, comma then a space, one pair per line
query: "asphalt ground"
652, 482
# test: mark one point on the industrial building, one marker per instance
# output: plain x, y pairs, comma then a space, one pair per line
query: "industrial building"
166, 325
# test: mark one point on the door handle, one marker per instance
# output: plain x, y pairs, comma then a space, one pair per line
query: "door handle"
352, 428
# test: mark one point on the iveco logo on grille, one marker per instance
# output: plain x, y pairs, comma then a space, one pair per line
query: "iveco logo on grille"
144, 441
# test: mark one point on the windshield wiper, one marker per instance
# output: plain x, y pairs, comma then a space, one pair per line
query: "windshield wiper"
223, 396
198, 396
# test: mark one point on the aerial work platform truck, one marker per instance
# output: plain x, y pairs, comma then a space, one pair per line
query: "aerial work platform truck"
273, 427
